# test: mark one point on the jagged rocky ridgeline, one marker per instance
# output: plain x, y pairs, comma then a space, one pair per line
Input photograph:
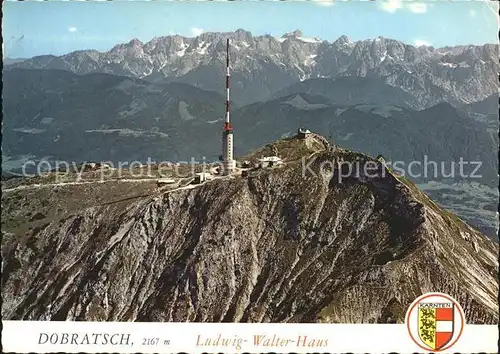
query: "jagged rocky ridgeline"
264, 64
271, 247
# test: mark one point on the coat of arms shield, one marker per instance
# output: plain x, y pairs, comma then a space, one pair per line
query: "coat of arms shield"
436, 323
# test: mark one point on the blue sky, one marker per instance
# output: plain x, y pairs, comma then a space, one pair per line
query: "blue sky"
56, 27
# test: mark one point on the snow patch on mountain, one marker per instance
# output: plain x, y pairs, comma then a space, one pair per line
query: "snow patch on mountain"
450, 65
384, 55
202, 48
182, 51
146, 73
309, 61
309, 40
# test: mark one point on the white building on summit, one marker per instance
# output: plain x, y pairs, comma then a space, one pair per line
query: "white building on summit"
229, 164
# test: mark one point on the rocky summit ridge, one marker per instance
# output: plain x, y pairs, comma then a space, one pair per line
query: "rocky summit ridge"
273, 246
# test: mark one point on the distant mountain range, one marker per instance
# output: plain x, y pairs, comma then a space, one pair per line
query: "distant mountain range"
265, 65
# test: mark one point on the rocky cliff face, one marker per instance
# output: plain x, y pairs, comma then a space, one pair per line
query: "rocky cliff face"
262, 65
273, 247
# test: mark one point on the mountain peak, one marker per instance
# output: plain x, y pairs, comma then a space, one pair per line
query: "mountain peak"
242, 31
296, 33
242, 35
343, 39
134, 42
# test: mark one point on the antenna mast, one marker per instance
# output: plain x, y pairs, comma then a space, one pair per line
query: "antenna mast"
227, 125
227, 133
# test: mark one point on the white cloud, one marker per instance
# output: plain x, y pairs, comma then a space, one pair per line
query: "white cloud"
72, 29
195, 31
392, 6
421, 42
417, 8
324, 2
